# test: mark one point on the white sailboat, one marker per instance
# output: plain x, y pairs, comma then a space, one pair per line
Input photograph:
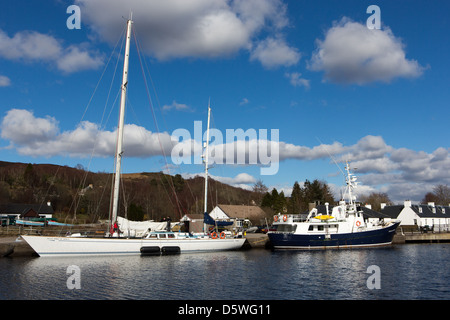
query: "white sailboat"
153, 242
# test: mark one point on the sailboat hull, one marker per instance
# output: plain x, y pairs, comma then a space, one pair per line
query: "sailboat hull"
66, 246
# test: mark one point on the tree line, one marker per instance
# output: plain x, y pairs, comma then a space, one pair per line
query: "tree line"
317, 192
76, 193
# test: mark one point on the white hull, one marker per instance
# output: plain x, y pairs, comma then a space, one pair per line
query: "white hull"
65, 246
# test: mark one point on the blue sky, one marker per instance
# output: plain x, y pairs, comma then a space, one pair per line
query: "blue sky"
313, 70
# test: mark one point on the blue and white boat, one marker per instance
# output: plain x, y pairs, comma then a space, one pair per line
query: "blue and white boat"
343, 227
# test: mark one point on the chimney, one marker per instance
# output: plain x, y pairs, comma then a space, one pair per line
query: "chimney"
383, 205
407, 203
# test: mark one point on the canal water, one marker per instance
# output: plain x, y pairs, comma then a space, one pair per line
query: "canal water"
412, 271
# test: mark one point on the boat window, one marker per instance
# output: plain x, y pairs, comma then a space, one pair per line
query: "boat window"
311, 227
152, 236
286, 227
320, 228
162, 236
171, 235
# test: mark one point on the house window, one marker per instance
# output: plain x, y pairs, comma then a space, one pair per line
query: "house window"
420, 209
443, 210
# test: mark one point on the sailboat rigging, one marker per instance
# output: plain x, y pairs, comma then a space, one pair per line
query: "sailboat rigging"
152, 242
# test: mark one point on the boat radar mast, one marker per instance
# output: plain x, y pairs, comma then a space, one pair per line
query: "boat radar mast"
351, 185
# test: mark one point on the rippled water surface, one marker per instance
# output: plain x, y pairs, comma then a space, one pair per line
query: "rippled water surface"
405, 272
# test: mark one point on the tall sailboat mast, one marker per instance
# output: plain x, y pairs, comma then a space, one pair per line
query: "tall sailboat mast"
206, 164
119, 150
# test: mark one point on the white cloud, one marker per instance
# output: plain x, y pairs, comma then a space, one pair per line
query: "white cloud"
76, 59
274, 52
32, 46
22, 127
244, 101
296, 81
242, 180
4, 81
352, 53
34, 136
170, 29
177, 106
29, 45
379, 166
290, 151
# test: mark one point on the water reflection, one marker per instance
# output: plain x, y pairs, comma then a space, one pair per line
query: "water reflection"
407, 272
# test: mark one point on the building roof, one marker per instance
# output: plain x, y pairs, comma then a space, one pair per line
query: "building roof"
392, 211
18, 208
431, 211
243, 212
422, 210
369, 213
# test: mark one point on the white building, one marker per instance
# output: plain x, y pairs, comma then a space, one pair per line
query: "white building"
26, 211
436, 218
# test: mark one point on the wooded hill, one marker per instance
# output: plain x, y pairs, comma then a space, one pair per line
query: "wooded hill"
75, 192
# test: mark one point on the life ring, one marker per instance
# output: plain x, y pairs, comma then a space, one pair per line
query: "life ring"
222, 235
285, 218
358, 223
275, 218
214, 235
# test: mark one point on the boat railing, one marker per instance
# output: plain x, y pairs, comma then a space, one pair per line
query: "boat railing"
55, 231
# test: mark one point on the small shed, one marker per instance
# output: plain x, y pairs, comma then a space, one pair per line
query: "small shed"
193, 222
239, 212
